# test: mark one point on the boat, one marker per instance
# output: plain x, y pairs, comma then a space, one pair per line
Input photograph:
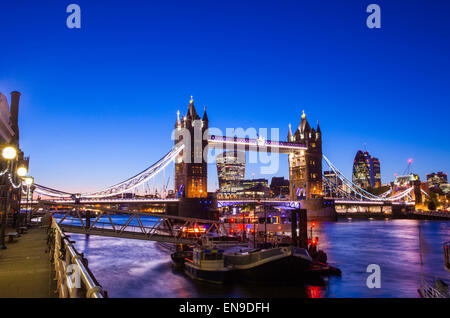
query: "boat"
323, 269
179, 258
280, 264
180, 252
207, 264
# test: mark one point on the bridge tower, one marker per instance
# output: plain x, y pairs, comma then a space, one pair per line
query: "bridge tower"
190, 165
305, 166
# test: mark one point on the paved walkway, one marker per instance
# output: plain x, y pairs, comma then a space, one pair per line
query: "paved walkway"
25, 269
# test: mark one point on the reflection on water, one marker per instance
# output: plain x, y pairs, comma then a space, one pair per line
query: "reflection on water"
133, 268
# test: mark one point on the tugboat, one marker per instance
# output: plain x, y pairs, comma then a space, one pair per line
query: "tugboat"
207, 264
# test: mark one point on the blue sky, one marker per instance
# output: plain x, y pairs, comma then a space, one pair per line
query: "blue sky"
99, 103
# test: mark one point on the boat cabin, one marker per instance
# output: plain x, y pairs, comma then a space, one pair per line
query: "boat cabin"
208, 258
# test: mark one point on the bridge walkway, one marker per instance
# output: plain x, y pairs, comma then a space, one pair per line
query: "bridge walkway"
25, 268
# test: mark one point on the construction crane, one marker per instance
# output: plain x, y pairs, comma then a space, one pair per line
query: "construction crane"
407, 169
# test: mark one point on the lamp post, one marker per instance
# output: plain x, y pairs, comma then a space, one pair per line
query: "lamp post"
28, 182
21, 171
8, 153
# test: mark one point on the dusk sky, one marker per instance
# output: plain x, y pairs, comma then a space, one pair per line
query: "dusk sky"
99, 103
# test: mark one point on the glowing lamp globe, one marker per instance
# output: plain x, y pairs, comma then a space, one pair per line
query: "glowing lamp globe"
9, 153
22, 171
29, 181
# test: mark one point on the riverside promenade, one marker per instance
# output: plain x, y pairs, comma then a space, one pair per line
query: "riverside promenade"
25, 268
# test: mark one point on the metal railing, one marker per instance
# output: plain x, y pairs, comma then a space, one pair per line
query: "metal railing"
428, 290
74, 279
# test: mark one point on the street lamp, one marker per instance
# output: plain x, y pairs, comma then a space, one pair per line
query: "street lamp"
22, 171
28, 182
8, 153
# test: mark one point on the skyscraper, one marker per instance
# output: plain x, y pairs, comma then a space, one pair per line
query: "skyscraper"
230, 171
366, 170
376, 172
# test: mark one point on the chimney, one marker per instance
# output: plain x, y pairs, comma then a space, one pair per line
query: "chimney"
15, 96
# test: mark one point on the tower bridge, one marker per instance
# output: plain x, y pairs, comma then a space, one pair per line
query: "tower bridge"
305, 157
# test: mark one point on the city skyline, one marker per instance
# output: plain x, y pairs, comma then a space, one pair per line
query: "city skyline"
127, 75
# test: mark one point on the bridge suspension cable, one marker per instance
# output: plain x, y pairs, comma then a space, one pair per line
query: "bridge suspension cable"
336, 188
348, 183
51, 192
138, 179
123, 186
361, 192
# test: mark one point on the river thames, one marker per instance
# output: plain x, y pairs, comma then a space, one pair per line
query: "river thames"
134, 268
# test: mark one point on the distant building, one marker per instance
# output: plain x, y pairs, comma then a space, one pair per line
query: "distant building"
366, 171
436, 179
403, 182
230, 172
254, 188
279, 186
376, 172
445, 188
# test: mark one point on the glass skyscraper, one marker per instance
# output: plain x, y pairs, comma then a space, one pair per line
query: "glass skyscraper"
230, 171
366, 171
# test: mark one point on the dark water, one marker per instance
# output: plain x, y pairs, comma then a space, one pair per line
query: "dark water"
132, 268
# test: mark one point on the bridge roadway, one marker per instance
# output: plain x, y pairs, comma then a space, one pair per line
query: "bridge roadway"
221, 202
107, 200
